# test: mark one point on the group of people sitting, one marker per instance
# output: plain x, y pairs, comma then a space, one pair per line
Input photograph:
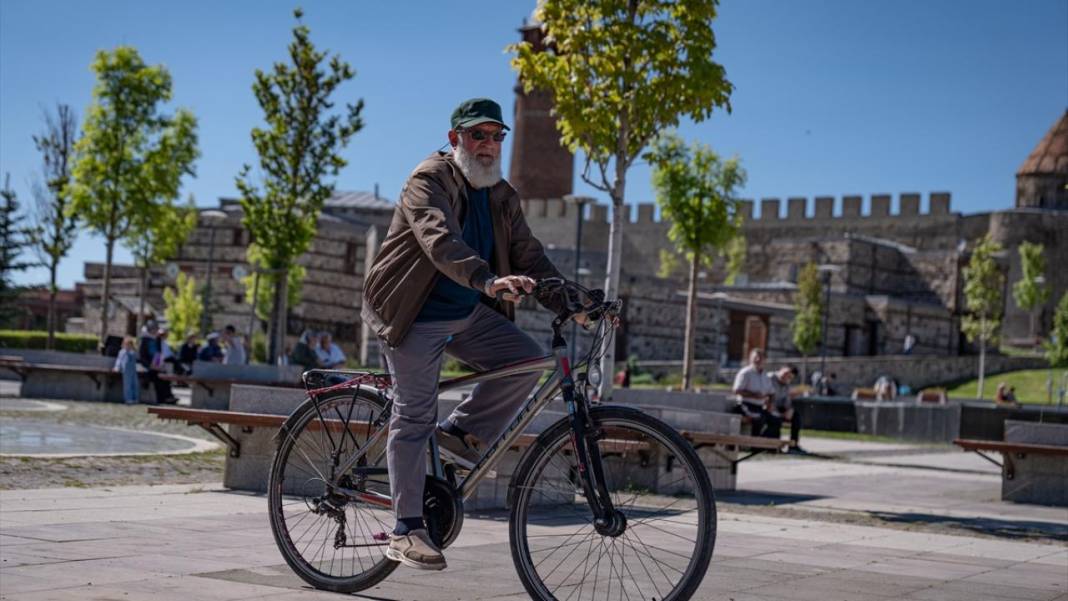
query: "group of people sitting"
766, 399
316, 350
154, 354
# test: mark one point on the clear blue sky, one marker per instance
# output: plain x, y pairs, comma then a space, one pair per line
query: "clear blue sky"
833, 97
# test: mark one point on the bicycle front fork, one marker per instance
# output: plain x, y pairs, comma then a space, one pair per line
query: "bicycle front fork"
584, 437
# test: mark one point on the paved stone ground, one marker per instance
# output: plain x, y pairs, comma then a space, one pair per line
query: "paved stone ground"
867, 521
191, 542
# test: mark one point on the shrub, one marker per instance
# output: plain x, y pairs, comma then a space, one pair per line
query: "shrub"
34, 339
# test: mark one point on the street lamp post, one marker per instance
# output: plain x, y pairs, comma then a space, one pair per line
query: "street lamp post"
212, 216
826, 271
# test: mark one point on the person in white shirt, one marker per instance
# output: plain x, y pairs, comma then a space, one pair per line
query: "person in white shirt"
755, 392
233, 347
330, 355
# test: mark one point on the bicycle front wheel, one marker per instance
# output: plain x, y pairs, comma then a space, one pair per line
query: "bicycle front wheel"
659, 550
332, 527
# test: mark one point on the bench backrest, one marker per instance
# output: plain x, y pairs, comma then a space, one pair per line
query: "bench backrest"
38, 356
719, 402
1036, 433
247, 373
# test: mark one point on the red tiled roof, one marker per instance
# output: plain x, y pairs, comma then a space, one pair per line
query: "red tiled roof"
1051, 154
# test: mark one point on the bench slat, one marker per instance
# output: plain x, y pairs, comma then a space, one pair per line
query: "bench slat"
752, 442
1009, 447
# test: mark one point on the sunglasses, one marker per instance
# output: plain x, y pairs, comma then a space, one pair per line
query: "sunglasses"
479, 135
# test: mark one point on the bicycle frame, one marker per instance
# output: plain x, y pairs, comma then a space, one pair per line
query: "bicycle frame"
560, 380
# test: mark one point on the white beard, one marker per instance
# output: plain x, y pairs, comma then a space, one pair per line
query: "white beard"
477, 174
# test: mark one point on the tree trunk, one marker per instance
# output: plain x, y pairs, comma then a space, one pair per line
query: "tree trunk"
611, 290
283, 309
982, 356
142, 288
107, 291
278, 324
50, 343
690, 343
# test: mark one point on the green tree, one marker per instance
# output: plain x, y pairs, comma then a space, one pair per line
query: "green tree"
1057, 345
131, 156
154, 236
55, 228
1029, 292
695, 190
983, 285
182, 308
620, 73
808, 313
15, 238
736, 251
297, 150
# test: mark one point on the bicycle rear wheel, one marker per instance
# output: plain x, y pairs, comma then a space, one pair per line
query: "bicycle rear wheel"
334, 539
662, 547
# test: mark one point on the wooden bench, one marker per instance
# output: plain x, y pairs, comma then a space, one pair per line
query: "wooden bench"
63, 381
751, 445
1009, 450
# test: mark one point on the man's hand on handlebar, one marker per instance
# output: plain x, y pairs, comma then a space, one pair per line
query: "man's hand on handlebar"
510, 287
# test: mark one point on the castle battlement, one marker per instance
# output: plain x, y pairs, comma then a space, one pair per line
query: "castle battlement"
798, 209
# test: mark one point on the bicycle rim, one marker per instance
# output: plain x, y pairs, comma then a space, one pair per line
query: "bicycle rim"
329, 539
656, 481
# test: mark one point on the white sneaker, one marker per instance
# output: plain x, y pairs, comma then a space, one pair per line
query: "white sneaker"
415, 550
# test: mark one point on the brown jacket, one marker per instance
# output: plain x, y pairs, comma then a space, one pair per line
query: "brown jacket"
425, 242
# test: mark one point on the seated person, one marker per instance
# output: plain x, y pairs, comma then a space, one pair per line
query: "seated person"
187, 354
330, 355
1006, 396
212, 351
754, 392
304, 352
782, 405
885, 388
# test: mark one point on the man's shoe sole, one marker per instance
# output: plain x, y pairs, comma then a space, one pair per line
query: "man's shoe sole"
411, 563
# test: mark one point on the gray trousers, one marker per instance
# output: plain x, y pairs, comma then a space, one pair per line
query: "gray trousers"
484, 340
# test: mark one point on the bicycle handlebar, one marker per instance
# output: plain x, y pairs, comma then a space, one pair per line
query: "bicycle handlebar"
594, 306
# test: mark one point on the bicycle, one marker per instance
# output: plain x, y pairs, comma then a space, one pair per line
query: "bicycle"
606, 500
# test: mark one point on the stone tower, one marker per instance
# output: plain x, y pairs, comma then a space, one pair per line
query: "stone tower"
540, 166
1042, 181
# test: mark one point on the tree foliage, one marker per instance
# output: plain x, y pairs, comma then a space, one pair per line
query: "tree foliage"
736, 254
155, 236
131, 156
55, 228
983, 285
808, 316
298, 150
1057, 345
15, 239
695, 190
619, 74
1027, 291
182, 308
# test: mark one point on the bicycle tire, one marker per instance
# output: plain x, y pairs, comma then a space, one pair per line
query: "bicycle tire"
627, 434
299, 442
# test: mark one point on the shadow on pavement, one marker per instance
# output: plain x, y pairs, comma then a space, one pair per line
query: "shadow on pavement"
1011, 529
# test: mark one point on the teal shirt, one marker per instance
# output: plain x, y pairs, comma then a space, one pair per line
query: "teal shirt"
449, 300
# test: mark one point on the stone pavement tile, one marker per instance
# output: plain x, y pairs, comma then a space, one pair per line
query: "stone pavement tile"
156, 589
1057, 558
85, 531
78, 573
847, 584
1038, 576
12, 582
1006, 550
779, 568
8, 540
11, 559
732, 578
952, 557
924, 568
962, 590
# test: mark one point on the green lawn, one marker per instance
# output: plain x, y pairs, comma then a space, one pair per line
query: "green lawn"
1030, 385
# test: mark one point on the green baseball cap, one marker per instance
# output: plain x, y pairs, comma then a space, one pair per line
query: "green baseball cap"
475, 111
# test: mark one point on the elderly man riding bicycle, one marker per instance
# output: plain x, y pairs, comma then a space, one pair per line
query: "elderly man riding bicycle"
458, 239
